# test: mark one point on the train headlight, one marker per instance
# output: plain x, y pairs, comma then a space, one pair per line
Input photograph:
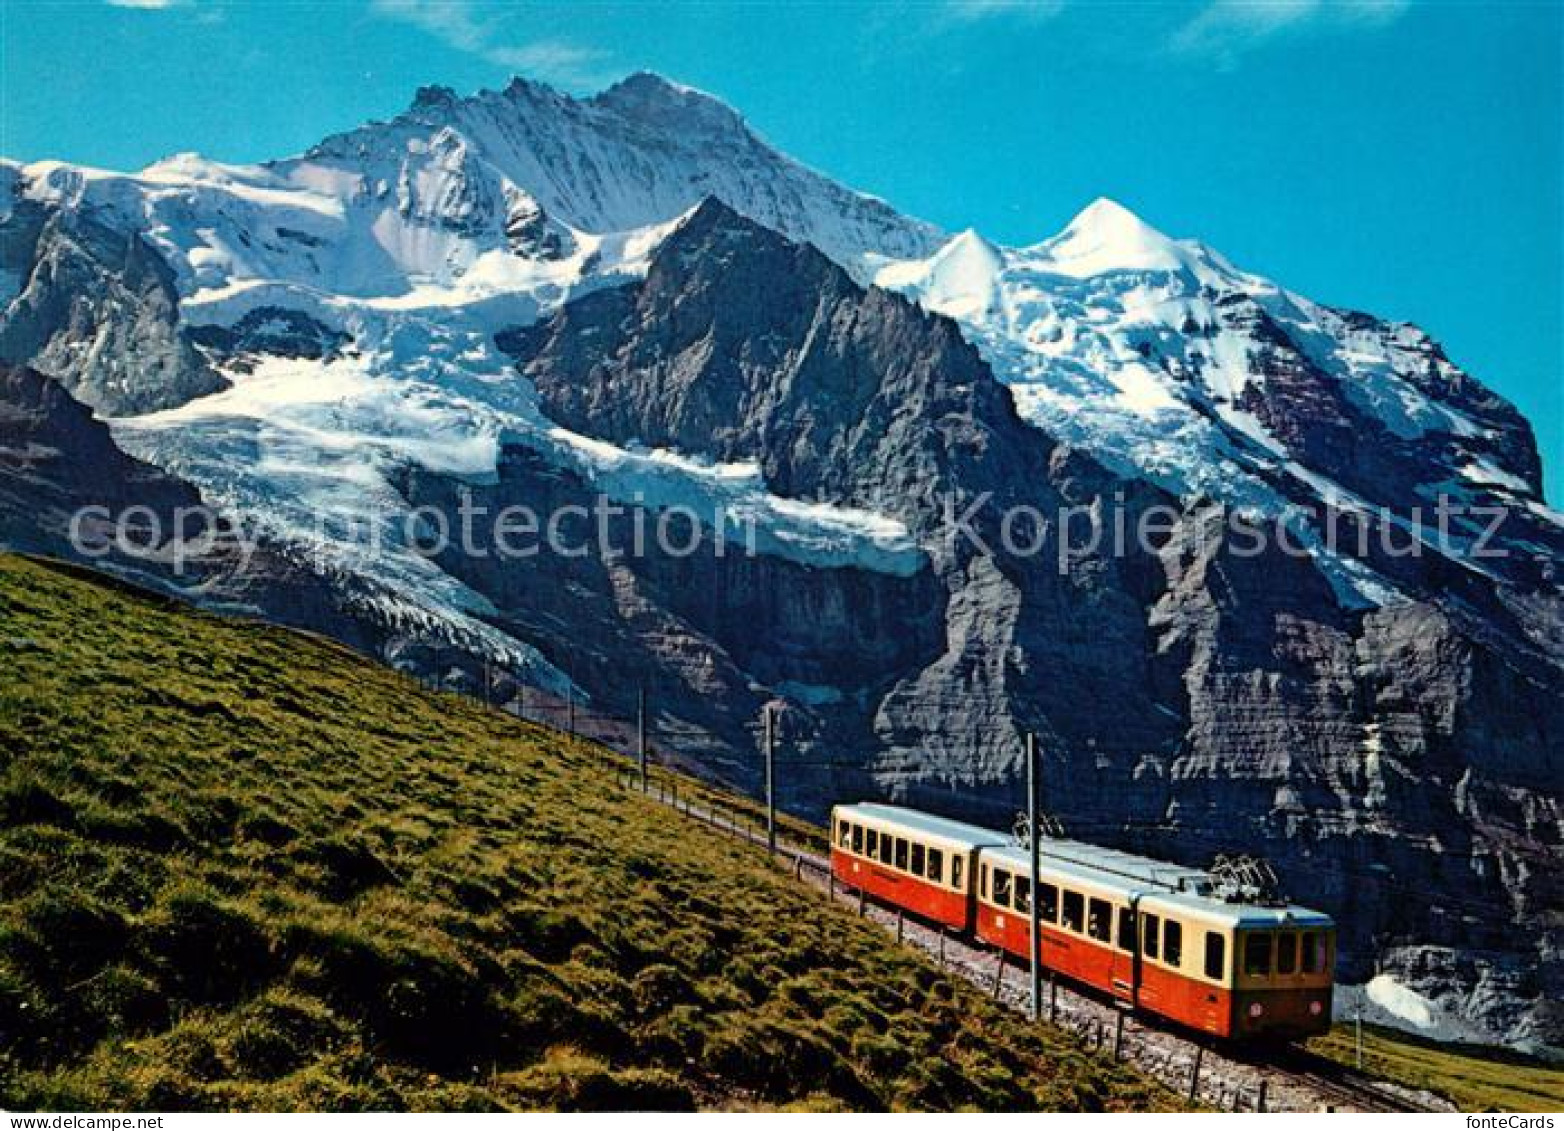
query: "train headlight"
1256, 1009
1316, 1008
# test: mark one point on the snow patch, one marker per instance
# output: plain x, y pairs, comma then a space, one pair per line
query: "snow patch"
1485, 472
1401, 1001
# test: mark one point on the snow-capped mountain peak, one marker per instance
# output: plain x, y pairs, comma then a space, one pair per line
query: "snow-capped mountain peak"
639, 153
960, 279
1164, 360
1105, 236
659, 103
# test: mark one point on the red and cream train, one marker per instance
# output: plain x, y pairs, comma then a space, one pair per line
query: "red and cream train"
1151, 934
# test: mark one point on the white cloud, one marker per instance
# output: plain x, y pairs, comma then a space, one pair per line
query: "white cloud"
1226, 29
457, 23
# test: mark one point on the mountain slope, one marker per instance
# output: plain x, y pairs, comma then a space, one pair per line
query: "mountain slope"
454, 911
1191, 695
1166, 361
1378, 721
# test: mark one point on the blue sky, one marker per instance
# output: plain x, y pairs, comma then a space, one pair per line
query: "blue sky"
1397, 157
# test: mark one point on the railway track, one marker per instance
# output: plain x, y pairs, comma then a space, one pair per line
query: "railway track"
1289, 1079
1348, 1088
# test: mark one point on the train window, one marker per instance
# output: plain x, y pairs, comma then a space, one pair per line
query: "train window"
1150, 935
1216, 955
901, 853
1173, 943
1126, 930
919, 859
844, 831
1048, 898
1002, 887
871, 844
1313, 953
955, 872
1286, 953
1074, 910
858, 839
1099, 922
1023, 895
936, 865
1257, 953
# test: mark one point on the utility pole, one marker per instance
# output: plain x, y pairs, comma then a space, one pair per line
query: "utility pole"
640, 733
1034, 837
771, 781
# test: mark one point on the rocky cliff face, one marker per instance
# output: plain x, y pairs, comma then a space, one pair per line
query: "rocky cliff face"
98, 311
1191, 699
747, 347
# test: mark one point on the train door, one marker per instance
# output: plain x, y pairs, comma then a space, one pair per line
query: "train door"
1126, 954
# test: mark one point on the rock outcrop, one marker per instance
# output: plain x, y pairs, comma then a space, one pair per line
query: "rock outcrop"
99, 312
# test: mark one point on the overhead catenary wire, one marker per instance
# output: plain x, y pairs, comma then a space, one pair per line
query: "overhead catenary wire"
1174, 838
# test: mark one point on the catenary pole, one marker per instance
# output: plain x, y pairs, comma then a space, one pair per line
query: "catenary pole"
771, 782
1034, 837
640, 734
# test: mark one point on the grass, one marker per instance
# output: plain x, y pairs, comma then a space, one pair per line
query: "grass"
242, 868
1473, 1078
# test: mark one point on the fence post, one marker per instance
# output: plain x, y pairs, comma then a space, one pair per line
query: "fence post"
863, 896
1053, 997
999, 974
901, 925
942, 946
1194, 1075
1118, 1035
1259, 1100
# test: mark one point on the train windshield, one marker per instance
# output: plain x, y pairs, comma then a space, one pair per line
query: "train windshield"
1284, 953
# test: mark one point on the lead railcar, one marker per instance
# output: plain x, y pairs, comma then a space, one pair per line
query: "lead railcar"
1155, 935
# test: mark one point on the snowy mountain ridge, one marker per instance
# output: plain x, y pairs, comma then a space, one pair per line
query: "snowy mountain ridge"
420, 238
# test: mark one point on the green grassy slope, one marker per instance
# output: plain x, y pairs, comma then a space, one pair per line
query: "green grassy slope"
240, 867
1475, 1079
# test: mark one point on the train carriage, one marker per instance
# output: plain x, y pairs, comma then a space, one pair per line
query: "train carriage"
911, 859
1152, 934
